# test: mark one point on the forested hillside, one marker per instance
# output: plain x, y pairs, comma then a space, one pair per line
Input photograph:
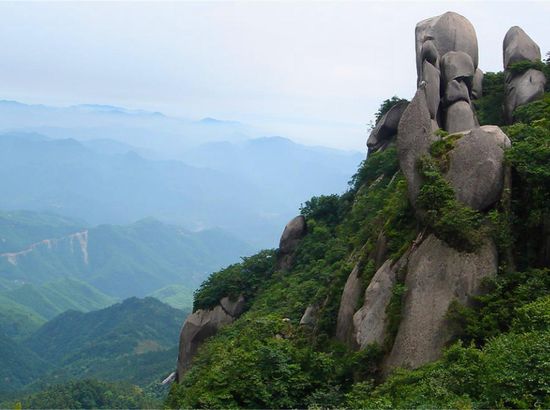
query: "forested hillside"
284, 350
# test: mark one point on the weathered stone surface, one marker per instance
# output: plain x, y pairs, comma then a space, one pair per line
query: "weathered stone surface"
436, 275
386, 128
523, 89
369, 322
414, 137
199, 326
459, 117
456, 91
233, 308
518, 46
477, 84
457, 64
309, 318
476, 166
348, 304
432, 78
381, 250
293, 233
448, 32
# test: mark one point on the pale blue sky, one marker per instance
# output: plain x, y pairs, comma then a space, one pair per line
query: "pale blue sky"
314, 72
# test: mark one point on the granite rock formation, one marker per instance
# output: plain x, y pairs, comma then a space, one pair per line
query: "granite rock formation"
293, 233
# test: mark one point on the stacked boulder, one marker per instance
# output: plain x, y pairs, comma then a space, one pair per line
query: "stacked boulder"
525, 86
385, 131
433, 272
446, 64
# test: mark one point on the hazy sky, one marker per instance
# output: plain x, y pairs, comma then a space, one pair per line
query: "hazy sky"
314, 72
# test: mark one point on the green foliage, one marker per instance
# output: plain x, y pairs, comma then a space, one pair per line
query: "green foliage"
533, 316
244, 278
386, 105
378, 164
393, 314
496, 309
88, 394
510, 372
441, 148
537, 112
522, 66
455, 223
489, 107
325, 208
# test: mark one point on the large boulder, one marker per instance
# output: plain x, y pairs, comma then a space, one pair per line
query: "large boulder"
414, 137
477, 84
518, 46
293, 233
522, 89
457, 64
370, 321
386, 128
436, 275
460, 117
476, 166
448, 32
456, 91
232, 307
348, 305
432, 78
199, 326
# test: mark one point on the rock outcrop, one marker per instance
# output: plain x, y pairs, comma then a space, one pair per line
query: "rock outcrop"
436, 275
348, 305
414, 137
526, 86
386, 128
293, 233
370, 321
202, 324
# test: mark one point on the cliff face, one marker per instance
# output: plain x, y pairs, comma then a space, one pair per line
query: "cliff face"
431, 217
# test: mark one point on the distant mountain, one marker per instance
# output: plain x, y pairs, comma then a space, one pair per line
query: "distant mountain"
149, 130
62, 265
250, 189
133, 341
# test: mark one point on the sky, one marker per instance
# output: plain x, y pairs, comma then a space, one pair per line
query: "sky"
315, 72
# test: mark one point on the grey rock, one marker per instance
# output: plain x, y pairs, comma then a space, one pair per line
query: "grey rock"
309, 318
432, 78
436, 275
476, 166
293, 233
459, 117
518, 46
381, 250
198, 327
456, 91
386, 128
523, 89
414, 137
348, 305
477, 84
447, 32
369, 322
457, 64
233, 308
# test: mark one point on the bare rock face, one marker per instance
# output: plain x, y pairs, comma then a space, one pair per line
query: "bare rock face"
232, 308
198, 327
293, 233
460, 117
525, 87
477, 84
432, 78
456, 91
436, 275
476, 166
414, 137
436, 36
386, 128
518, 46
369, 322
522, 89
309, 318
348, 304
457, 65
